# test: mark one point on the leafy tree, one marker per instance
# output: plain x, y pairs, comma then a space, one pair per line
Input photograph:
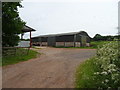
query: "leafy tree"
11, 23
97, 37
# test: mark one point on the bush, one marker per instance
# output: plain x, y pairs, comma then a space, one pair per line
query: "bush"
105, 67
108, 60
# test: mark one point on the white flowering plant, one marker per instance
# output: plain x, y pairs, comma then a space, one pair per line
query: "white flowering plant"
103, 70
108, 62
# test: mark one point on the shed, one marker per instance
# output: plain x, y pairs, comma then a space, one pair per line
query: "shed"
72, 39
25, 30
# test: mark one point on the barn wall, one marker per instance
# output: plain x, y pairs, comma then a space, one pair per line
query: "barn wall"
51, 41
69, 44
60, 44
77, 44
44, 39
78, 38
35, 40
63, 40
43, 44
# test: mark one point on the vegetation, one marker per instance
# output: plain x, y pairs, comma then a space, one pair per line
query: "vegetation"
12, 26
36, 47
19, 56
95, 44
11, 23
85, 74
99, 37
102, 71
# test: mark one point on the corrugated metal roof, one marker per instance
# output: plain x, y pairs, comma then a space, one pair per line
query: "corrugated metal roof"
27, 29
61, 34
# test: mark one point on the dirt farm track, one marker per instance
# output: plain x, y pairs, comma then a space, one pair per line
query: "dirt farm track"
55, 68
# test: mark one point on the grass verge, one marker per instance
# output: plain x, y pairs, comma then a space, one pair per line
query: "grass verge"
95, 44
84, 74
20, 56
102, 71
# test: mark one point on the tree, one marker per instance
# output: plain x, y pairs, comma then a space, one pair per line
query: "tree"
97, 37
11, 23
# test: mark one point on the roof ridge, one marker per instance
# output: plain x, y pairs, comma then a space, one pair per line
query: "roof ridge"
59, 34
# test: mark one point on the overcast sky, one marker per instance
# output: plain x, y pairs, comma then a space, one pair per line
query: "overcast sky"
62, 16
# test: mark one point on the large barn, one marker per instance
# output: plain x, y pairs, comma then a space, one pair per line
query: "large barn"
73, 39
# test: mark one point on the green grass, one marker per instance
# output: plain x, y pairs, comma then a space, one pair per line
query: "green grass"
95, 44
84, 74
21, 55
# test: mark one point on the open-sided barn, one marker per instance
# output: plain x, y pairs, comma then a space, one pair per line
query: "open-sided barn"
73, 39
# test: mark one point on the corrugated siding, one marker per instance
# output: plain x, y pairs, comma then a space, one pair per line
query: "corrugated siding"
51, 41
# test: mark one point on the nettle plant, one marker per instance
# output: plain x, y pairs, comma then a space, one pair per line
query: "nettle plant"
108, 62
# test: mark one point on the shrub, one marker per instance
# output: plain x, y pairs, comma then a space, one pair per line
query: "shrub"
102, 71
108, 62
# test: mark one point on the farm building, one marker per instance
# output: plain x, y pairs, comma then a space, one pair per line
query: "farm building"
73, 39
22, 43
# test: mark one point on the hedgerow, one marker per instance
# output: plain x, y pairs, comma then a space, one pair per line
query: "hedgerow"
108, 62
105, 68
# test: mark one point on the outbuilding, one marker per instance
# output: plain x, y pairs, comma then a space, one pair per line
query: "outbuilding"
73, 39
23, 43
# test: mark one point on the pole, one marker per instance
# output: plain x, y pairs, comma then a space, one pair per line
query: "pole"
75, 40
30, 40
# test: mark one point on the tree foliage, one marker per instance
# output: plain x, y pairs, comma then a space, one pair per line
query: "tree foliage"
99, 37
11, 23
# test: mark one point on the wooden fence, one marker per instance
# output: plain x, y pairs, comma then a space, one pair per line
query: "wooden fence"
6, 51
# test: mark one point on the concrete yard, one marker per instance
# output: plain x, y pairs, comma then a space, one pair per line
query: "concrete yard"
55, 68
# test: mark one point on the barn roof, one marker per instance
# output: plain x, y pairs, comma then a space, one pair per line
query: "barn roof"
27, 29
64, 34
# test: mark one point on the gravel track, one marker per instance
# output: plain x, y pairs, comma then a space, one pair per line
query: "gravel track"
55, 68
